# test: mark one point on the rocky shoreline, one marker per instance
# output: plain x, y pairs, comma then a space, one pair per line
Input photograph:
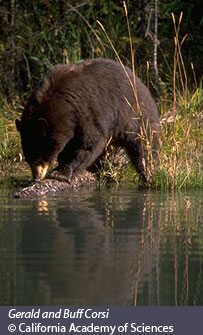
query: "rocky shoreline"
51, 186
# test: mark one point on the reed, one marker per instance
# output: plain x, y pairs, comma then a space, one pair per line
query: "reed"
180, 154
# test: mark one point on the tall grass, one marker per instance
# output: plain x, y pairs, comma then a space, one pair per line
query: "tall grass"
11, 160
180, 154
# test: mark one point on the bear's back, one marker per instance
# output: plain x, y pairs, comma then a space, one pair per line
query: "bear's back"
102, 72
104, 87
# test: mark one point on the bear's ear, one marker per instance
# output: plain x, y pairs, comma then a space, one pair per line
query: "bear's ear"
18, 125
43, 126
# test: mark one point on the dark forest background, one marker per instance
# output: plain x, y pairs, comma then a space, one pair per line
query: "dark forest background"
36, 34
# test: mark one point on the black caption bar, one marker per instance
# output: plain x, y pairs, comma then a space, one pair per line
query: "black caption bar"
19, 320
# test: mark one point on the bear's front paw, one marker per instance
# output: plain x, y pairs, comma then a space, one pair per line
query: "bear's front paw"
67, 171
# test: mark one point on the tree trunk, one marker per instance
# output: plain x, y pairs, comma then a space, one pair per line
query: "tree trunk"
10, 51
155, 63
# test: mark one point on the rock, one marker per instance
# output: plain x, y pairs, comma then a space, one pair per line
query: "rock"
51, 186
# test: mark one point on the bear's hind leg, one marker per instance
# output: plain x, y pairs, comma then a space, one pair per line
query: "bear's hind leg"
137, 155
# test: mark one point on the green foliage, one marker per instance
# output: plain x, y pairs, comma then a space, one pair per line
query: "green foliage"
181, 154
9, 142
53, 32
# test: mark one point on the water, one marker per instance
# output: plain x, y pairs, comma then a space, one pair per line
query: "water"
117, 246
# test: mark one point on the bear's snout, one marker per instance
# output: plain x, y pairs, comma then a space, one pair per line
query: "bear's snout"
39, 171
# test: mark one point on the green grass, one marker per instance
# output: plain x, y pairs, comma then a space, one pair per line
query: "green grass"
11, 159
181, 152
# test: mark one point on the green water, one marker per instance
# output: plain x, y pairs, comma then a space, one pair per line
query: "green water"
115, 246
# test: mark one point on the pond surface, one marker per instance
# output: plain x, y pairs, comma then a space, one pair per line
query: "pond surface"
115, 246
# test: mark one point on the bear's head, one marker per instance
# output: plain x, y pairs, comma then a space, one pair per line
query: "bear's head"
37, 144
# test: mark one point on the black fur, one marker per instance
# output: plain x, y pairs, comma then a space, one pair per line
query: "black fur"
75, 109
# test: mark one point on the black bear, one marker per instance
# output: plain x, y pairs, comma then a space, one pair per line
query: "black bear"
74, 111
